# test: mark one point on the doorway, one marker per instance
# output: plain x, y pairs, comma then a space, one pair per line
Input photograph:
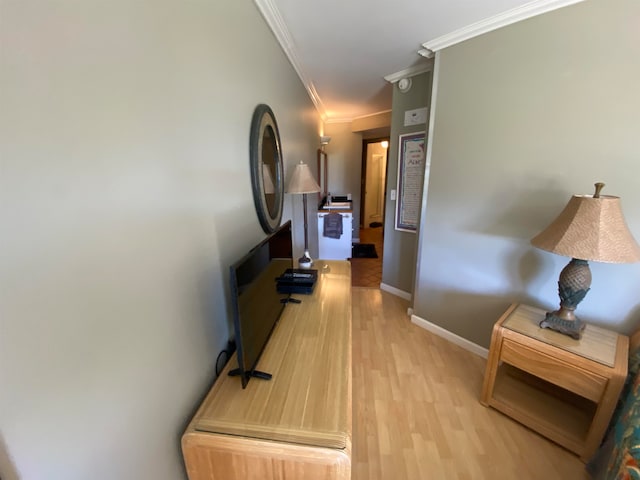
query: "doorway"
373, 182
366, 269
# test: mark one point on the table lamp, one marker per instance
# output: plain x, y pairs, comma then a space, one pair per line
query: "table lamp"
302, 182
591, 227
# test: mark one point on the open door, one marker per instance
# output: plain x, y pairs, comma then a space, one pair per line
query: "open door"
373, 182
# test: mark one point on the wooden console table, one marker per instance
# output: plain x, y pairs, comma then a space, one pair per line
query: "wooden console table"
297, 425
562, 388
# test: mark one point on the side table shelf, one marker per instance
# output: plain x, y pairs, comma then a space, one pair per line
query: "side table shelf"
552, 383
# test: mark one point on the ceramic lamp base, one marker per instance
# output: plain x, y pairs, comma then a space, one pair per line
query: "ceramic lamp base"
305, 260
573, 285
556, 321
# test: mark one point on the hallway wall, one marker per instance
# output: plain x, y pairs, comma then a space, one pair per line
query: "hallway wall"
525, 117
125, 194
398, 269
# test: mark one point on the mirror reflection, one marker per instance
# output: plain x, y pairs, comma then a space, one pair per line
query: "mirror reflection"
269, 160
322, 174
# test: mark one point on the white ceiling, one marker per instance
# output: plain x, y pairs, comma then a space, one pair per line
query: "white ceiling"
343, 49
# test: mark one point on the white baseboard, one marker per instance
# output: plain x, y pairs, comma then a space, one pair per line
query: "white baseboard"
395, 291
452, 337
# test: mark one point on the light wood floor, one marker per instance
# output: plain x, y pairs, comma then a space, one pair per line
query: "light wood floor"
416, 409
367, 272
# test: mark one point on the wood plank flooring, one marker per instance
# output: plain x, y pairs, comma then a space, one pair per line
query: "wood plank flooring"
416, 408
367, 272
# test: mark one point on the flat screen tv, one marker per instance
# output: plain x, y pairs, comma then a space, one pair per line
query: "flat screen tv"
257, 305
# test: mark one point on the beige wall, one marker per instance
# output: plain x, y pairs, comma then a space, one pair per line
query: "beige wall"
124, 196
400, 248
525, 117
372, 122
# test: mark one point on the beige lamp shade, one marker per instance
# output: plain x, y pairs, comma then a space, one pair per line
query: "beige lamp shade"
590, 227
302, 180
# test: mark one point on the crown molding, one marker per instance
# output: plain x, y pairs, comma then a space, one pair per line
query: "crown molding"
338, 120
353, 119
426, 53
528, 10
278, 27
381, 112
409, 72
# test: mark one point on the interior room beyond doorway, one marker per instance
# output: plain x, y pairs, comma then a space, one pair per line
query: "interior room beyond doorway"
367, 272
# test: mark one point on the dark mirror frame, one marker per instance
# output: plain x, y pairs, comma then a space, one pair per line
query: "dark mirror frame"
269, 210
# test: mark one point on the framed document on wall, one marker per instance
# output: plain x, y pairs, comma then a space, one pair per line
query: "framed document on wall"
411, 163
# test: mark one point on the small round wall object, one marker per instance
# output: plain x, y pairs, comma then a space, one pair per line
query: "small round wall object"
404, 84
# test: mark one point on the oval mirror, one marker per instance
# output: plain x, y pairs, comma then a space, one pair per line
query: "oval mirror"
265, 156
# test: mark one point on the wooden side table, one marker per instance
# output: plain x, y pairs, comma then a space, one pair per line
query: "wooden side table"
562, 388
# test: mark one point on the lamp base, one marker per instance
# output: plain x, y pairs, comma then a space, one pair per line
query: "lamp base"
573, 285
305, 260
565, 322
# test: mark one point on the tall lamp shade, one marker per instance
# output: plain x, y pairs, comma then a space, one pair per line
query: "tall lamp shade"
591, 227
302, 182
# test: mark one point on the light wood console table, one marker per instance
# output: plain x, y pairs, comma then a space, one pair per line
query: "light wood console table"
297, 425
562, 388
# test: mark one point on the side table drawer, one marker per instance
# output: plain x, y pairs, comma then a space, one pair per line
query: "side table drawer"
572, 378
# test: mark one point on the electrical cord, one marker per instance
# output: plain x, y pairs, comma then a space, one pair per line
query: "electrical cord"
219, 366
227, 352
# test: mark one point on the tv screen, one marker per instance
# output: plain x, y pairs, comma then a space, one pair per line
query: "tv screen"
256, 303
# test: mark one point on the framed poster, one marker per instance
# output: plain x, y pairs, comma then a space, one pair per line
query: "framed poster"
411, 163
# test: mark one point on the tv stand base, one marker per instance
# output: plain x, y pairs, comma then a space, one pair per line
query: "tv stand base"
255, 374
290, 300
